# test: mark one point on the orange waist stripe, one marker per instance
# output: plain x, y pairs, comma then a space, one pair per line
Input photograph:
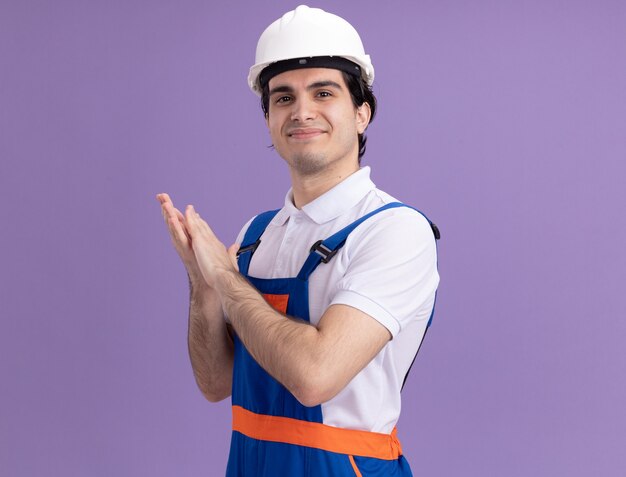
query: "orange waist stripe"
313, 434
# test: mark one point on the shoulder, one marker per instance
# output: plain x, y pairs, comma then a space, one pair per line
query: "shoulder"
259, 222
393, 228
243, 231
390, 263
405, 214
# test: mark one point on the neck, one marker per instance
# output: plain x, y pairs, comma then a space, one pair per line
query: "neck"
307, 188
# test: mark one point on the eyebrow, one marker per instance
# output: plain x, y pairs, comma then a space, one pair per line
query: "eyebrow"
317, 84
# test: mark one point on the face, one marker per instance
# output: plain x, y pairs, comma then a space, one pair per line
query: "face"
312, 121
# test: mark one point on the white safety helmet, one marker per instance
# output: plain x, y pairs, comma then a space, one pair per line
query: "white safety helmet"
310, 37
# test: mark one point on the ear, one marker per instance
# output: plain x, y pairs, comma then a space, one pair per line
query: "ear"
363, 115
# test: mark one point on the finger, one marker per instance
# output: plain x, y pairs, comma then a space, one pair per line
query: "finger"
192, 216
198, 223
163, 197
168, 210
167, 206
181, 219
171, 210
177, 232
191, 219
232, 254
176, 226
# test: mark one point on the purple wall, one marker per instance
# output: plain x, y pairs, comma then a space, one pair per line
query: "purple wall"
505, 121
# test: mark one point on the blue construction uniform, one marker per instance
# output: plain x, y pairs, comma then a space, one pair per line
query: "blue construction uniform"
273, 433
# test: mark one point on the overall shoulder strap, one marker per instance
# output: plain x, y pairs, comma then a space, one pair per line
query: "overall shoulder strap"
325, 250
252, 239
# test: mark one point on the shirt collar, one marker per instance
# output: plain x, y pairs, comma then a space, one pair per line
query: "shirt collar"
331, 204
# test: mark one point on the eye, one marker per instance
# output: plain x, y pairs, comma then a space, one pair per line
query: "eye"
324, 94
283, 99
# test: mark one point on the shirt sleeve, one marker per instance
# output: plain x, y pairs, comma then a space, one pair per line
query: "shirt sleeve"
392, 270
243, 231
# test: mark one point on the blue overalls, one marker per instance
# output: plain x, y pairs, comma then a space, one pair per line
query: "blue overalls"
273, 434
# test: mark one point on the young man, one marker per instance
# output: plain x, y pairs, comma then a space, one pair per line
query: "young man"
313, 319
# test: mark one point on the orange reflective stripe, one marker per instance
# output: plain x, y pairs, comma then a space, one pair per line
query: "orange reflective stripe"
278, 302
355, 468
314, 434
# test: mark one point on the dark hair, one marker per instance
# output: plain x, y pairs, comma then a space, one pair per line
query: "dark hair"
360, 93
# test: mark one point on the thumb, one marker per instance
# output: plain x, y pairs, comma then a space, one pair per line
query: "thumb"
232, 253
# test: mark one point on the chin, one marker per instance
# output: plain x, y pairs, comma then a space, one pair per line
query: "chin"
308, 163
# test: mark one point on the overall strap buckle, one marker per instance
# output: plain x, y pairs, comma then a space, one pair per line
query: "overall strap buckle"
250, 248
436, 232
322, 250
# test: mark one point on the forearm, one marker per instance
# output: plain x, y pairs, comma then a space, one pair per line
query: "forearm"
313, 362
287, 348
210, 346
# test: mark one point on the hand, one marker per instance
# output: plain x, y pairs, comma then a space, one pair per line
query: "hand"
211, 255
180, 236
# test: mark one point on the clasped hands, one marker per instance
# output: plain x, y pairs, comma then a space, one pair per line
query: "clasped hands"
203, 255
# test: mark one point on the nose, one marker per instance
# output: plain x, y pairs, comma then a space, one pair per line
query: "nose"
303, 109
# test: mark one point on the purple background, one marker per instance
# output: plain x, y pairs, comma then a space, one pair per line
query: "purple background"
504, 120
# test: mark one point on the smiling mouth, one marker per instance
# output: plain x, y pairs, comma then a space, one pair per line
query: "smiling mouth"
305, 133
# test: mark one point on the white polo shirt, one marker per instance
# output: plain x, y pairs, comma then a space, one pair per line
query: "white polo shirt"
387, 269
